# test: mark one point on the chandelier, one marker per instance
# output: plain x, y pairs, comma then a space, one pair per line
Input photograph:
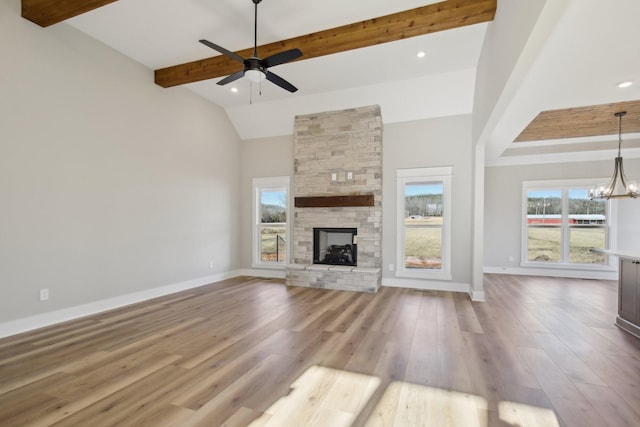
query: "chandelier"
618, 187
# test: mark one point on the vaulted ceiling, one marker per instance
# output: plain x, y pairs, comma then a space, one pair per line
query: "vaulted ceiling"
363, 52
355, 53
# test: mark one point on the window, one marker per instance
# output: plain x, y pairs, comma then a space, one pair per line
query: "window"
424, 223
270, 210
561, 225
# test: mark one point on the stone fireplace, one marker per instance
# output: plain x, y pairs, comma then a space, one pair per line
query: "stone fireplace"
338, 200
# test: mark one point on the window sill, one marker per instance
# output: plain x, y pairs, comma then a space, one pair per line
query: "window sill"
270, 266
566, 266
427, 275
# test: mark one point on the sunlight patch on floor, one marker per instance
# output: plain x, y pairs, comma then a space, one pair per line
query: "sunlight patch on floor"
332, 397
519, 414
321, 397
406, 404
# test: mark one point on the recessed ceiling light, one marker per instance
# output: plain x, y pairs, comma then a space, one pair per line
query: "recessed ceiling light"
234, 89
625, 84
421, 54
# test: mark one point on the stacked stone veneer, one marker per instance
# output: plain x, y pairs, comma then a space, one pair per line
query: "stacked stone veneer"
338, 142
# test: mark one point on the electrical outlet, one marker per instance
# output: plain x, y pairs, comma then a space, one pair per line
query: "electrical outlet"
334, 176
210, 264
511, 259
391, 267
349, 175
44, 294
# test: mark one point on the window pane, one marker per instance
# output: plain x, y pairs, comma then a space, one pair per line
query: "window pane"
544, 207
581, 240
585, 211
423, 199
272, 243
423, 221
423, 246
543, 244
273, 219
273, 206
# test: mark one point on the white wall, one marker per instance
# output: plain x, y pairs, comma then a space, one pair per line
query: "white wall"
503, 206
109, 184
503, 47
429, 143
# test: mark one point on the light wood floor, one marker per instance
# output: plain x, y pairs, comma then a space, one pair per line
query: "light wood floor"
247, 351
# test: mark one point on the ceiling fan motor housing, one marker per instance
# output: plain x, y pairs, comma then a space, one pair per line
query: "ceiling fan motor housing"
253, 63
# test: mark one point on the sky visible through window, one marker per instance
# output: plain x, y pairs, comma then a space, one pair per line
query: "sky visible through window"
274, 197
423, 188
544, 194
574, 193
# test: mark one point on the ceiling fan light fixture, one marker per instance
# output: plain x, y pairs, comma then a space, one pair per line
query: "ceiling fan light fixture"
618, 187
256, 76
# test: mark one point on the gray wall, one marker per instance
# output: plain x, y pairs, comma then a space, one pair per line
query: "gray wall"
109, 184
261, 158
629, 214
430, 143
424, 143
503, 204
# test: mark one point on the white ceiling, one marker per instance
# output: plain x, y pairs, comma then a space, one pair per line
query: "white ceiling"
576, 54
162, 33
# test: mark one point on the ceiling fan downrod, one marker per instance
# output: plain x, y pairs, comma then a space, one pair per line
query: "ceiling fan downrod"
255, 28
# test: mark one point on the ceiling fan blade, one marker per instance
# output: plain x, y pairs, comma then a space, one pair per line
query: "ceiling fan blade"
231, 78
222, 50
275, 79
281, 58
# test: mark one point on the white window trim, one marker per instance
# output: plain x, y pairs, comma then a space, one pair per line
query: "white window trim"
564, 185
405, 176
270, 183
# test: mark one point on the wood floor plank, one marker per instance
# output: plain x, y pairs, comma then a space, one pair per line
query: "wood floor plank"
610, 405
250, 351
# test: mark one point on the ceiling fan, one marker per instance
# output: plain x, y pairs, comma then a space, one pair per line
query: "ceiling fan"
256, 69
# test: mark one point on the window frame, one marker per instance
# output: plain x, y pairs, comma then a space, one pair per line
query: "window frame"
441, 174
565, 228
258, 186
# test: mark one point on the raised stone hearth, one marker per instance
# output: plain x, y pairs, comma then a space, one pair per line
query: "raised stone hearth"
338, 170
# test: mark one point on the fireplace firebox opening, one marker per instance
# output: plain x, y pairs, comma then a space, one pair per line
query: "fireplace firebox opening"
335, 246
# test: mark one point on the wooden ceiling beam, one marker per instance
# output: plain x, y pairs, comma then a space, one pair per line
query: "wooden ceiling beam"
593, 120
49, 12
432, 18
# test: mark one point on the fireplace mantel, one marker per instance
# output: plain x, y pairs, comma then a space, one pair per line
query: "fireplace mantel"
334, 201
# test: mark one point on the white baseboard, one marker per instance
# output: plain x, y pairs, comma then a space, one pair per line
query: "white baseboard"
477, 296
425, 285
25, 324
553, 272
